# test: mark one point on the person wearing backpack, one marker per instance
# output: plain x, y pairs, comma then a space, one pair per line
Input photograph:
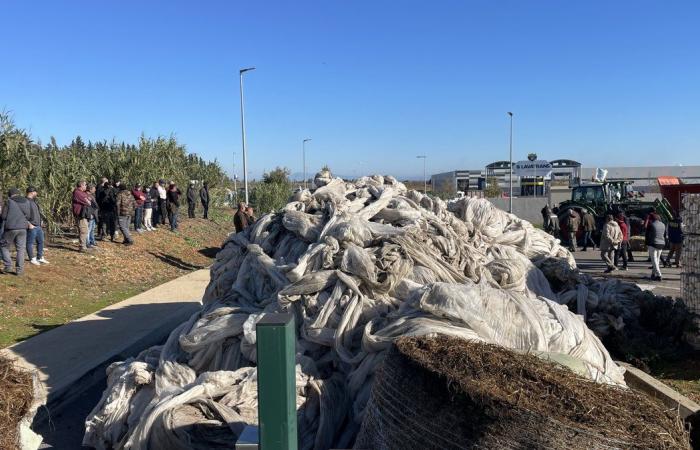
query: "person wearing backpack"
17, 218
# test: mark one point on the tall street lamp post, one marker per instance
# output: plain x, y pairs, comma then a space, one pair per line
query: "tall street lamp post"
425, 181
245, 153
303, 156
510, 167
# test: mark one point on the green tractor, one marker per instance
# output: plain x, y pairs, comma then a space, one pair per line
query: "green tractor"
612, 197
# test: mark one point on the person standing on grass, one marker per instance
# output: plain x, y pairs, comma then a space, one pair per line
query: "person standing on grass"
155, 199
675, 239
624, 244
204, 198
100, 197
35, 234
16, 220
139, 199
191, 200
573, 222
173, 197
162, 200
609, 242
589, 228
240, 219
148, 210
656, 241
80, 206
125, 210
93, 214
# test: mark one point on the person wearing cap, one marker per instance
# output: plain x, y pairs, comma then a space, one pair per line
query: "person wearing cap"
17, 218
35, 235
204, 198
81, 208
191, 200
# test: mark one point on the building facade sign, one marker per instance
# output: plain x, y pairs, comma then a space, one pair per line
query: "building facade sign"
537, 168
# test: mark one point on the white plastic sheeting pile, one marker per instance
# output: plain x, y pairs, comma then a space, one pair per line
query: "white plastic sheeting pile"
359, 264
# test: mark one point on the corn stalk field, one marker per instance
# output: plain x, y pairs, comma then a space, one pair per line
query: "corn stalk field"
54, 170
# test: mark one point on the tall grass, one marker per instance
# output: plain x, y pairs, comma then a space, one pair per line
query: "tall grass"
54, 170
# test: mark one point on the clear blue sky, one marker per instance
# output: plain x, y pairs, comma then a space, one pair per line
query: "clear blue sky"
374, 83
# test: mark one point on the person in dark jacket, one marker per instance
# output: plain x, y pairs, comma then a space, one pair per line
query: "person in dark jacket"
173, 197
17, 218
148, 210
546, 215
35, 235
656, 241
675, 240
204, 198
589, 228
107, 204
191, 200
125, 209
155, 203
240, 219
80, 206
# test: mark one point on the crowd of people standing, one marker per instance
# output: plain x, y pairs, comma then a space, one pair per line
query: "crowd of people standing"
112, 208
614, 246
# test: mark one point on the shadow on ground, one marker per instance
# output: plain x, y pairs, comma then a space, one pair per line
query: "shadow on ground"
67, 355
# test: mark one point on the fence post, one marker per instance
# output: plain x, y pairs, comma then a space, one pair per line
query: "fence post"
277, 416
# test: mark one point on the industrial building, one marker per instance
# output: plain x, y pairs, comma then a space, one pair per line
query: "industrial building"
565, 172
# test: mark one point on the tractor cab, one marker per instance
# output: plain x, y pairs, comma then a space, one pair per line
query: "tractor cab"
599, 195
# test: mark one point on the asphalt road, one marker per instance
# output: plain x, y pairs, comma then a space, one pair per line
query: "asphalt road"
638, 272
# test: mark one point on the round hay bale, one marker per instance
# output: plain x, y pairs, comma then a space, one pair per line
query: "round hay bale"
447, 393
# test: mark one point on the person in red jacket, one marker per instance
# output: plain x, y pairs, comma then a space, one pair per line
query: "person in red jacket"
81, 209
139, 199
625, 244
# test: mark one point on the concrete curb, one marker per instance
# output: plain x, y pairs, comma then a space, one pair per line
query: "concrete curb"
644, 382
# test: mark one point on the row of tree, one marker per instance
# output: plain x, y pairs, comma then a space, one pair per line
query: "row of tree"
55, 169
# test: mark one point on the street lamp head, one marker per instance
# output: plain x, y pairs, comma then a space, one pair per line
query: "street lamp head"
307, 140
421, 156
246, 70
510, 114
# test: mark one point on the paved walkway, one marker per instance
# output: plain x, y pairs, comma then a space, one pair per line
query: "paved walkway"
69, 353
638, 272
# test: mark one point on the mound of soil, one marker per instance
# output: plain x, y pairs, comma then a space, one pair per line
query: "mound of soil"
445, 392
16, 393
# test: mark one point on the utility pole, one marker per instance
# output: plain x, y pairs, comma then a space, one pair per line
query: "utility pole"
425, 180
303, 156
510, 167
235, 186
245, 154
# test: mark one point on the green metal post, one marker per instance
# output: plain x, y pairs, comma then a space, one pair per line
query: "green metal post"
277, 415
